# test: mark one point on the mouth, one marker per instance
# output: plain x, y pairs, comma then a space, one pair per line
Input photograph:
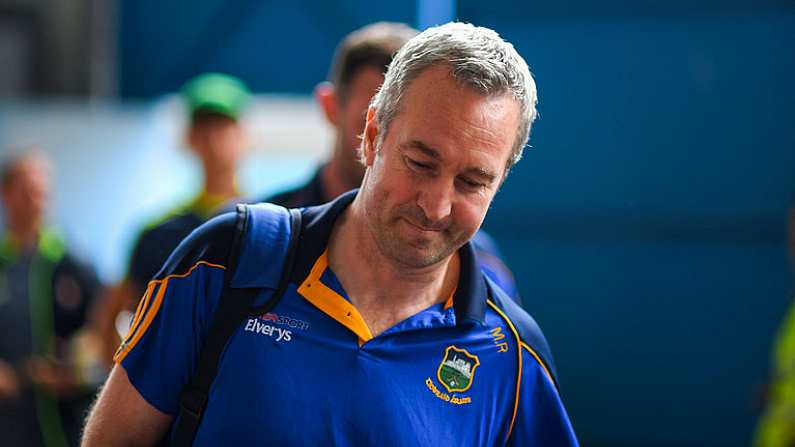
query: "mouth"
421, 228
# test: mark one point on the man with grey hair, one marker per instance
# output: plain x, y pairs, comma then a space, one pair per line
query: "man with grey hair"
357, 72
384, 330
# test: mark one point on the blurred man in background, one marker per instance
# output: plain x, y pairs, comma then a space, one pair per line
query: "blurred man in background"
357, 71
215, 135
45, 293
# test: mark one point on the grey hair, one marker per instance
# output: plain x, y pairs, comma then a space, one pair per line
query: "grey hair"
477, 57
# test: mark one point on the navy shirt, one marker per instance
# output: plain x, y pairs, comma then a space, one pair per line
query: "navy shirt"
474, 370
310, 193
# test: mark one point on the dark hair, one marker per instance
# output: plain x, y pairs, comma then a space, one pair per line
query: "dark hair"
371, 46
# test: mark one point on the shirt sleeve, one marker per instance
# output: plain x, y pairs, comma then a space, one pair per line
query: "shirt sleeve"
172, 319
541, 418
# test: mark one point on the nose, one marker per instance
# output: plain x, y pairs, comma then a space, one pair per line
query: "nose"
436, 201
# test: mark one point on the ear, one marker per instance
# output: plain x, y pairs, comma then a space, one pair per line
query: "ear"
370, 137
326, 97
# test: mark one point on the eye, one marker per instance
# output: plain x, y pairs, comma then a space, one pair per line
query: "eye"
471, 185
419, 166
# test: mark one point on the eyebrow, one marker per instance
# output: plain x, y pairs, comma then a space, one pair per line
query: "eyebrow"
484, 174
424, 148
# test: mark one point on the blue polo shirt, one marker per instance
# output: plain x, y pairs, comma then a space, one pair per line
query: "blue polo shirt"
474, 370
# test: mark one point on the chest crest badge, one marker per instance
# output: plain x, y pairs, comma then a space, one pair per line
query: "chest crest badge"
457, 369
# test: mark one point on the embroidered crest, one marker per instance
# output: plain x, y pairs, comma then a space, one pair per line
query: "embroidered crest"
457, 369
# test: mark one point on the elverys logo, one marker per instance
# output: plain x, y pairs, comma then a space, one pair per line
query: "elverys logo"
254, 325
269, 324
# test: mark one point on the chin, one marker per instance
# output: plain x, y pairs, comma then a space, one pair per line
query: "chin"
417, 260
422, 255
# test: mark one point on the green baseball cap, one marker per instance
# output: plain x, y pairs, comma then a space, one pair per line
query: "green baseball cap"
216, 92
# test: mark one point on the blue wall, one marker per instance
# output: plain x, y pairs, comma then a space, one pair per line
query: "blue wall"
646, 224
280, 46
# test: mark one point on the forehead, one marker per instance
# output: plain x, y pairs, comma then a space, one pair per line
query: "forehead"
457, 121
24, 173
27, 167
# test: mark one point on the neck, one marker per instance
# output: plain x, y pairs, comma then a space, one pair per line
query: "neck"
402, 290
24, 235
335, 179
220, 184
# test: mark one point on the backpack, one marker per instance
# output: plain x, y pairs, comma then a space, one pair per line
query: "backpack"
235, 306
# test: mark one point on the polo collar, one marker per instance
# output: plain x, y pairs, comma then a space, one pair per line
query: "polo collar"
469, 300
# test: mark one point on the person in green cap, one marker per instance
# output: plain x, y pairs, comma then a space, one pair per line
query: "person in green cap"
215, 102
45, 295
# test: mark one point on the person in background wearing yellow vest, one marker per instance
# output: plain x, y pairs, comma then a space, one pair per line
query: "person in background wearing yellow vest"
215, 102
777, 425
45, 294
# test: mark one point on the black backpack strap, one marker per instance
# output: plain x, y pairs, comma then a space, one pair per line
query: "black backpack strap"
235, 306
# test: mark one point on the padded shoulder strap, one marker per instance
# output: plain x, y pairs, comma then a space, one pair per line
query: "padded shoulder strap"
265, 246
257, 226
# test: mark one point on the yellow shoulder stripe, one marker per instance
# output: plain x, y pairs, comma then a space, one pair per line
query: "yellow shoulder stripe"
140, 311
519, 365
524, 345
538, 359
145, 314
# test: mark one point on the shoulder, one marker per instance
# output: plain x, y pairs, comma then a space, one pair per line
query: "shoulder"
76, 265
209, 243
295, 198
307, 194
529, 335
492, 264
65, 261
281, 198
175, 221
484, 243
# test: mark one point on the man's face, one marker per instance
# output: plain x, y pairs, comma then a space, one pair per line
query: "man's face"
217, 140
352, 111
428, 186
25, 196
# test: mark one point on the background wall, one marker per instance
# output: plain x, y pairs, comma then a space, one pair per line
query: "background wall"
645, 225
648, 220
